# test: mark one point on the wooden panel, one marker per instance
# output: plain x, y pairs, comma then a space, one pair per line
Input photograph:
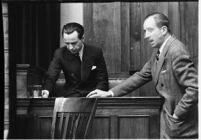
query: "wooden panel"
22, 70
108, 26
174, 18
135, 36
139, 125
24, 126
107, 33
189, 27
45, 126
125, 37
6, 65
113, 127
88, 22
128, 120
114, 118
102, 127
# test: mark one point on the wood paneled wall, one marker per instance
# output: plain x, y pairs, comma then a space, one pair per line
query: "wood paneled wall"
117, 28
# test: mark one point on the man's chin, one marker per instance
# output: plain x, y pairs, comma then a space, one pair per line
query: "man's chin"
73, 52
154, 46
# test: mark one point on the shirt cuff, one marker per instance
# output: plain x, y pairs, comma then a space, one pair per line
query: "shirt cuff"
111, 93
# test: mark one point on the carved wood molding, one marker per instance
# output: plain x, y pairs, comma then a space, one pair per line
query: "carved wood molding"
155, 102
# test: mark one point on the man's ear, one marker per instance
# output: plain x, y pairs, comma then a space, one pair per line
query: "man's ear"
164, 29
82, 38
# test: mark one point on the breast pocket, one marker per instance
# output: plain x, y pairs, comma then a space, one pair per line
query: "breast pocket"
163, 75
163, 71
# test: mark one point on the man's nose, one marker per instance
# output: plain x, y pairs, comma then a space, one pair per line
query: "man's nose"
70, 46
146, 35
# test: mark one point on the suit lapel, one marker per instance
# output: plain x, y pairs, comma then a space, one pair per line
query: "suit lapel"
154, 66
162, 58
86, 63
159, 65
71, 64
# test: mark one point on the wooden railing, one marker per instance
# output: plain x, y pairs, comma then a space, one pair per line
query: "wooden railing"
119, 117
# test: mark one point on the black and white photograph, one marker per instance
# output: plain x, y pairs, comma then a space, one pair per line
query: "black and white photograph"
100, 69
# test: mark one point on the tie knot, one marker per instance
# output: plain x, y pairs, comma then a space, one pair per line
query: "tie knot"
77, 54
158, 52
157, 55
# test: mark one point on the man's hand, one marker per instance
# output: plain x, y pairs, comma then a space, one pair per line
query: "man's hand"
175, 116
45, 93
99, 93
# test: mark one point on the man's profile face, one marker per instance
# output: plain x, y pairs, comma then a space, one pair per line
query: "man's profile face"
153, 33
73, 43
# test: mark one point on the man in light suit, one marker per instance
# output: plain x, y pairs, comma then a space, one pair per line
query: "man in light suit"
83, 65
175, 77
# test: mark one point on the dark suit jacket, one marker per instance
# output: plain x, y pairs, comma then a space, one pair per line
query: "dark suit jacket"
80, 80
175, 79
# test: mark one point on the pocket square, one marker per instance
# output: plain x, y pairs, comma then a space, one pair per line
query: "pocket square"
93, 67
163, 71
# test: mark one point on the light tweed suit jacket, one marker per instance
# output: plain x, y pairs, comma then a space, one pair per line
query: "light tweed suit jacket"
176, 80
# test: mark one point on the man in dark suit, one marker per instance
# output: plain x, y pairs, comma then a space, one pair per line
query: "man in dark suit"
83, 65
175, 77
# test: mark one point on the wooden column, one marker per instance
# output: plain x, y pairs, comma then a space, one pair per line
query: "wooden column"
22, 72
6, 68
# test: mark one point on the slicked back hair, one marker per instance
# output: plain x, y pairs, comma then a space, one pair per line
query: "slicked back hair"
161, 20
71, 27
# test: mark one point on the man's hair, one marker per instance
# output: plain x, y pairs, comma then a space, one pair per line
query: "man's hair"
71, 27
161, 20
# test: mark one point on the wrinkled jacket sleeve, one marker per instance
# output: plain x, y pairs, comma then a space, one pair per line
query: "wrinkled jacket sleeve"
186, 75
135, 81
53, 72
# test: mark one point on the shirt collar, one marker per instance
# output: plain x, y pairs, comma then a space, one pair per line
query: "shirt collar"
81, 52
163, 45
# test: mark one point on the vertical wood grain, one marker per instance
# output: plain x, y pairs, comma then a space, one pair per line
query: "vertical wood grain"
88, 22
106, 32
134, 127
189, 27
174, 18
125, 36
135, 36
113, 127
101, 129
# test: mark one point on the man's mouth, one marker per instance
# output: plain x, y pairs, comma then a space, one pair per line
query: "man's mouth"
151, 42
73, 51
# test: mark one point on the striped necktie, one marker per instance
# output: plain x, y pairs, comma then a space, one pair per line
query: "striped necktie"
157, 55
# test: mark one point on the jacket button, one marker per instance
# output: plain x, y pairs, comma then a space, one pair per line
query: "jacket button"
162, 85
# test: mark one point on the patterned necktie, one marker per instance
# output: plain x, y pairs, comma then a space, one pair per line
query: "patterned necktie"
157, 55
